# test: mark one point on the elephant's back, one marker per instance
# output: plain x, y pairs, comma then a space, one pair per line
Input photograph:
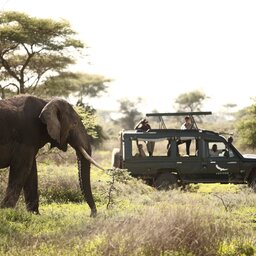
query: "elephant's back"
17, 115
8, 120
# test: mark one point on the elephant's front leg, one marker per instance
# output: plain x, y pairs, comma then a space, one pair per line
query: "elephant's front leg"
20, 168
31, 190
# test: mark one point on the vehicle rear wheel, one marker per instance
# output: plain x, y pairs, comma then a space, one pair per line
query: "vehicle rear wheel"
166, 181
252, 183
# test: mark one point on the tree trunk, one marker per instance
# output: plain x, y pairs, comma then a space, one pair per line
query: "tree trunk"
2, 92
22, 88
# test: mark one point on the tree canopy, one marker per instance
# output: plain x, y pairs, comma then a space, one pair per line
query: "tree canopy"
79, 84
35, 54
130, 114
31, 48
191, 101
246, 127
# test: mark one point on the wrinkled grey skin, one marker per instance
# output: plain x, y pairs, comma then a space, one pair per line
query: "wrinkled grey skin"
27, 123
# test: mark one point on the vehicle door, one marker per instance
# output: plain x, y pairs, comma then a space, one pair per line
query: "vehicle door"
188, 166
220, 163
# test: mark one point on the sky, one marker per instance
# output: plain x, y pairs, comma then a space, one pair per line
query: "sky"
159, 49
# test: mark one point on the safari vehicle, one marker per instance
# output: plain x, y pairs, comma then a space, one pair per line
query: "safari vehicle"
168, 166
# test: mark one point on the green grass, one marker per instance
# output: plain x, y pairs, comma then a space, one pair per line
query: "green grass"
167, 222
206, 220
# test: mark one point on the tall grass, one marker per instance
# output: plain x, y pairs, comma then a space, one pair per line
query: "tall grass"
210, 220
163, 227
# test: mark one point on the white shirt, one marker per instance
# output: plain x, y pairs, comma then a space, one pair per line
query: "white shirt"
214, 153
187, 126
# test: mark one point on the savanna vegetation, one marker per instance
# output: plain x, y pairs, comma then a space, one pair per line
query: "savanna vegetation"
133, 218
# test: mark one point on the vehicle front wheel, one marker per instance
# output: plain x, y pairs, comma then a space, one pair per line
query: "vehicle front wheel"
166, 181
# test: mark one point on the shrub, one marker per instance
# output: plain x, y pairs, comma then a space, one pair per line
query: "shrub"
237, 247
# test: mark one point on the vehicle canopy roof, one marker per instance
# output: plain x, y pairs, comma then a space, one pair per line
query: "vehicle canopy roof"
165, 134
190, 114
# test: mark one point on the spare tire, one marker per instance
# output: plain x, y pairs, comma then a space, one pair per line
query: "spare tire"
116, 158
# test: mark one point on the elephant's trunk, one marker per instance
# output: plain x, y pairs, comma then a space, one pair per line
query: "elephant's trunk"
84, 180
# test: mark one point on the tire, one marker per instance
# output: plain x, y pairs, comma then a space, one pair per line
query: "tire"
166, 181
252, 183
116, 158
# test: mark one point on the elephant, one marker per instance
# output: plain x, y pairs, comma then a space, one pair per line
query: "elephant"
27, 123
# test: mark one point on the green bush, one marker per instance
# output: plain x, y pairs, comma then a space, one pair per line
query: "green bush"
237, 247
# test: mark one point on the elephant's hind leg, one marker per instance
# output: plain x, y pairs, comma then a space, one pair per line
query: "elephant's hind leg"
31, 190
13, 191
20, 168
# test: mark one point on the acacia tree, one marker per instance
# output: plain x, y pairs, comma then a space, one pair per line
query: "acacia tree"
191, 101
81, 85
32, 49
129, 112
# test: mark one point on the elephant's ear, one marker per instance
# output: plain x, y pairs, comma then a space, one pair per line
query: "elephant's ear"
49, 116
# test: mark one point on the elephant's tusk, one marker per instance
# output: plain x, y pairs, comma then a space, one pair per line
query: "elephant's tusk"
89, 158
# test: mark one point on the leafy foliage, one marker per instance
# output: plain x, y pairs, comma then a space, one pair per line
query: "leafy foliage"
80, 84
129, 112
32, 48
117, 175
246, 127
88, 119
191, 101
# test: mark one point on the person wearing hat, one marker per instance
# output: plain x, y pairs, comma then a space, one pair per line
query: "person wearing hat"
143, 126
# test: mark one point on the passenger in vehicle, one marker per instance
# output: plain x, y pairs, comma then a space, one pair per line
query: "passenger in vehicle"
188, 143
144, 126
150, 147
214, 150
230, 139
141, 152
187, 125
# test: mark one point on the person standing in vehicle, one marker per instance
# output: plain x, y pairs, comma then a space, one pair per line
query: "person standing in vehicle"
187, 125
141, 151
143, 126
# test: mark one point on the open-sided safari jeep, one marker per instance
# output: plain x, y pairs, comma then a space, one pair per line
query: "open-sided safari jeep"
167, 166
